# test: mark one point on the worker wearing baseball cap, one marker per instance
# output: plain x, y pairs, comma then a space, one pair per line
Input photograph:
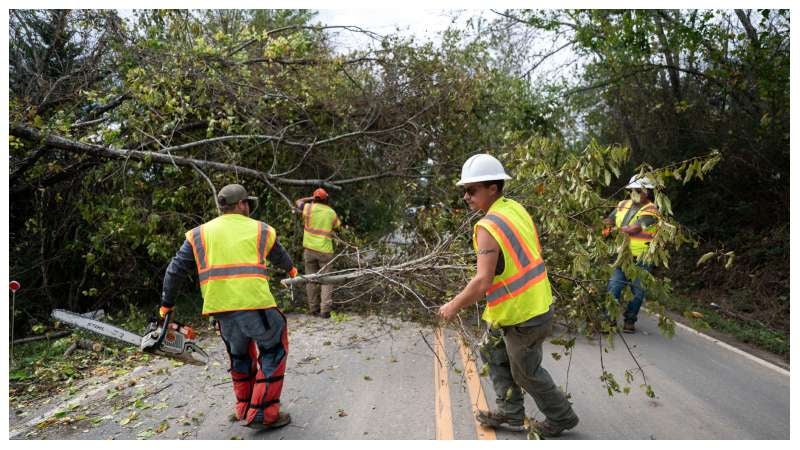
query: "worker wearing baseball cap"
231, 254
319, 221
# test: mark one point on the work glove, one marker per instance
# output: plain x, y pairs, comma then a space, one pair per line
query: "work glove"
164, 310
292, 274
607, 231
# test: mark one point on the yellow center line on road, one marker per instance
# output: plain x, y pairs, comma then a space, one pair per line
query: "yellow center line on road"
475, 389
444, 413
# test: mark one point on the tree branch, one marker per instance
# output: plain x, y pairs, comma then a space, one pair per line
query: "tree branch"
308, 62
57, 141
268, 137
210, 183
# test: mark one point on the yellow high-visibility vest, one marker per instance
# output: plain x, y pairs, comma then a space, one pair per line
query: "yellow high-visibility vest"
522, 291
638, 242
231, 255
319, 220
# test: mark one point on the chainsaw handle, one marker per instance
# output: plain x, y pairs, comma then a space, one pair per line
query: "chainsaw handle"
163, 334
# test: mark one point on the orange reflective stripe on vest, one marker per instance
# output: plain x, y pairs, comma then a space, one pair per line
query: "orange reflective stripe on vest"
317, 232
233, 271
517, 284
199, 248
511, 238
263, 238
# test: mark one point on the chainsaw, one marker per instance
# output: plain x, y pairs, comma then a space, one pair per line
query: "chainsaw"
169, 339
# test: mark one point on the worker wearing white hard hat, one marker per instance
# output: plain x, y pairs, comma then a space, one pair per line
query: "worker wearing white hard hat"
640, 182
512, 278
638, 218
482, 167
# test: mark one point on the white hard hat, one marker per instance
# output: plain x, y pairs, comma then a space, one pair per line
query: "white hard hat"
482, 167
640, 183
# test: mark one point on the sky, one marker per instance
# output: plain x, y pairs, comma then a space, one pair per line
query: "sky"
423, 24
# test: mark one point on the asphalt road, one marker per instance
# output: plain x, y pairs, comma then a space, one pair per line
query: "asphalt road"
373, 378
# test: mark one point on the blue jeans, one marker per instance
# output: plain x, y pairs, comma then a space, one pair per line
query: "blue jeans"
618, 282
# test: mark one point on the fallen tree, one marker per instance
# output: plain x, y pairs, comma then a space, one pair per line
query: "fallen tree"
163, 157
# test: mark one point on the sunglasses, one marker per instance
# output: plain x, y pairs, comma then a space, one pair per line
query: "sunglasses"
471, 191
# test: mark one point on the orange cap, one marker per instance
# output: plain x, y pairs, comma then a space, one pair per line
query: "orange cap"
320, 194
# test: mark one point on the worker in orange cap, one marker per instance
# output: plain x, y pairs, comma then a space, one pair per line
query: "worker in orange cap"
319, 221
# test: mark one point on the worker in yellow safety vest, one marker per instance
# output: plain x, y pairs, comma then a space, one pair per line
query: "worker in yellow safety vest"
231, 254
638, 218
511, 276
319, 221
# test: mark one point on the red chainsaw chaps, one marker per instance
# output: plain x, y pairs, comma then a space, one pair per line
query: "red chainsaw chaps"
243, 383
267, 388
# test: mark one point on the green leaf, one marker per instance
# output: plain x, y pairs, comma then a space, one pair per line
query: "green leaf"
705, 258
729, 263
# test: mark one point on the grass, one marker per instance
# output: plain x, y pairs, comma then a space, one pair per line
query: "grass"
746, 331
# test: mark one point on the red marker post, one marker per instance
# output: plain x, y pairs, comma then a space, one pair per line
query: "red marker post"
14, 286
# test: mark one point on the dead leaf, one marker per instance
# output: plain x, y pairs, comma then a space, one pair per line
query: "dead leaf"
162, 427
128, 419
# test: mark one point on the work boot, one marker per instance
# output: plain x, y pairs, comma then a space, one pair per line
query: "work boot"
547, 428
325, 315
628, 327
499, 420
258, 422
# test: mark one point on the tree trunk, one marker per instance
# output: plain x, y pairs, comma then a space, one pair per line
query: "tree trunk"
672, 61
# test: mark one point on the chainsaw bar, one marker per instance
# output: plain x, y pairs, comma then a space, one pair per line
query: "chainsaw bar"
98, 327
